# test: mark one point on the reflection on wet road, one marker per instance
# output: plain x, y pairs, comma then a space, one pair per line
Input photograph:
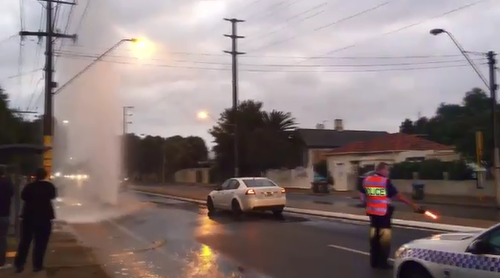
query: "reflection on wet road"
174, 239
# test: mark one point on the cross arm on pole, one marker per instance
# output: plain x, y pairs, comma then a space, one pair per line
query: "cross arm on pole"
234, 36
234, 52
234, 20
59, 2
44, 34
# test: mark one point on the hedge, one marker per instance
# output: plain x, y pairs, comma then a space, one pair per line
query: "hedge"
432, 169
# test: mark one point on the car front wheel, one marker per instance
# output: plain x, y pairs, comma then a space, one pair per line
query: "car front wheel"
414, 270
210, 205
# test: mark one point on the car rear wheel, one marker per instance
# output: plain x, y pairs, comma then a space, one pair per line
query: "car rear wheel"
236, 208
210, 205
277, 212
414, 270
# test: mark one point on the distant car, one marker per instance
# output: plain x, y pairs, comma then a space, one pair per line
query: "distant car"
241, 195
455, 255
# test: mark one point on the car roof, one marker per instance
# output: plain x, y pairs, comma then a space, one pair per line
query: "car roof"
250, 178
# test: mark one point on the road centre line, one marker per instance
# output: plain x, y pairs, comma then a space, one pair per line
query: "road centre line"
353, 250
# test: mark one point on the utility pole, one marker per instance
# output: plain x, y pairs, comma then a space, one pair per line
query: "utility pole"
493, 94
48, 116
126, 122
234, 53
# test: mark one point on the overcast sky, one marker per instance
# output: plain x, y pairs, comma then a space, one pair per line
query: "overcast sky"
318, 59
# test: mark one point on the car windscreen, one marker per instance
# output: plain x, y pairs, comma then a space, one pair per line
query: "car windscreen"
258, 182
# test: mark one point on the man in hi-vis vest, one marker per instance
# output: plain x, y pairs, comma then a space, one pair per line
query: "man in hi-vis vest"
377, 193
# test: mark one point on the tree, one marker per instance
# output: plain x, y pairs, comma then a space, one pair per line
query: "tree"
16, 130
157, 156
457, 124
263, 140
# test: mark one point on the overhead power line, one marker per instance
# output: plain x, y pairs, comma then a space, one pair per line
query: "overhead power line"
289, 57
365, 11
289, 20
460, 8
320, 70
94, 56
8, 38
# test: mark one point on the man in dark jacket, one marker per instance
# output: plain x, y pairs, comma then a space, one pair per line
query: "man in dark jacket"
36, 224
6, 193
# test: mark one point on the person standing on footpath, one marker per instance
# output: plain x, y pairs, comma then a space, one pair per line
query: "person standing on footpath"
36, 224
6, 193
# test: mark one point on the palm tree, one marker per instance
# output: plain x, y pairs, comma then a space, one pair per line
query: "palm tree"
279, 121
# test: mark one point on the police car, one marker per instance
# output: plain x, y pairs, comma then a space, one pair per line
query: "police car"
453, 255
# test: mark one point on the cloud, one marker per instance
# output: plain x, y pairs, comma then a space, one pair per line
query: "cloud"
169, 89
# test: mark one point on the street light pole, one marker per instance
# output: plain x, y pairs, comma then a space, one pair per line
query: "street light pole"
492, 87
493, 93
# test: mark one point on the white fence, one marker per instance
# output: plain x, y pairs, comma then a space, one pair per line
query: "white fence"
299, 177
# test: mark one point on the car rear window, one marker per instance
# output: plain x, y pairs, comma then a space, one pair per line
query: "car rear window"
258, 182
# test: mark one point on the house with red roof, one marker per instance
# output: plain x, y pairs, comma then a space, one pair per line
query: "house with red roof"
344, 162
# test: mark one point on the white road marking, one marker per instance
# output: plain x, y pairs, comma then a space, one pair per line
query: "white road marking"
353, 250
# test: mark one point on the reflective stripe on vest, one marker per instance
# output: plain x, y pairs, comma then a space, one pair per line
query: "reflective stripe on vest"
376, 195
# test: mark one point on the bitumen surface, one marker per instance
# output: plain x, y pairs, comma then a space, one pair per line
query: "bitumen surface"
337, 202
169, 238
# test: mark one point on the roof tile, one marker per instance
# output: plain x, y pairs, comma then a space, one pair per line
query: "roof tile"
389, 143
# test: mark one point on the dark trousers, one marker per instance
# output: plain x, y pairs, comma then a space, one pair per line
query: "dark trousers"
380, 238
33, 230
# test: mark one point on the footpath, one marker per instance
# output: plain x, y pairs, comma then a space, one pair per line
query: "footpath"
199, 194
66, 258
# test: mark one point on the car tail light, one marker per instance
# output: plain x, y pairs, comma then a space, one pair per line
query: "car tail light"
283, 191
250, 192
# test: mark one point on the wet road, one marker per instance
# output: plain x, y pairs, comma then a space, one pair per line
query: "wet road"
482, 213
167, 238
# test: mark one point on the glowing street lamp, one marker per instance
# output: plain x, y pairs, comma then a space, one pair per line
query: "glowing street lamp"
142, 48
202, 115
100, 57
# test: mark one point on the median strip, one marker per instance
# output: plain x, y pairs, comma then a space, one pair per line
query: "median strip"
338, 215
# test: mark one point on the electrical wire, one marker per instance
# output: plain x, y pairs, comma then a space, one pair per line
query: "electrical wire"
84, 14
21, 14
286, 23
280, 5
21, 74
66, 28
37, 54
365, 11
460, 8
56, 16
277, 71
290, 57
6, 39
34, 93
94, 56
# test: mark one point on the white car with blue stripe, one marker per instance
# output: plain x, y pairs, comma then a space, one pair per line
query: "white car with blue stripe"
454, 255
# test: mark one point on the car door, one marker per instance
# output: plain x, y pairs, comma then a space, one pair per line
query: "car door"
485, 265
218, 196
231, 192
